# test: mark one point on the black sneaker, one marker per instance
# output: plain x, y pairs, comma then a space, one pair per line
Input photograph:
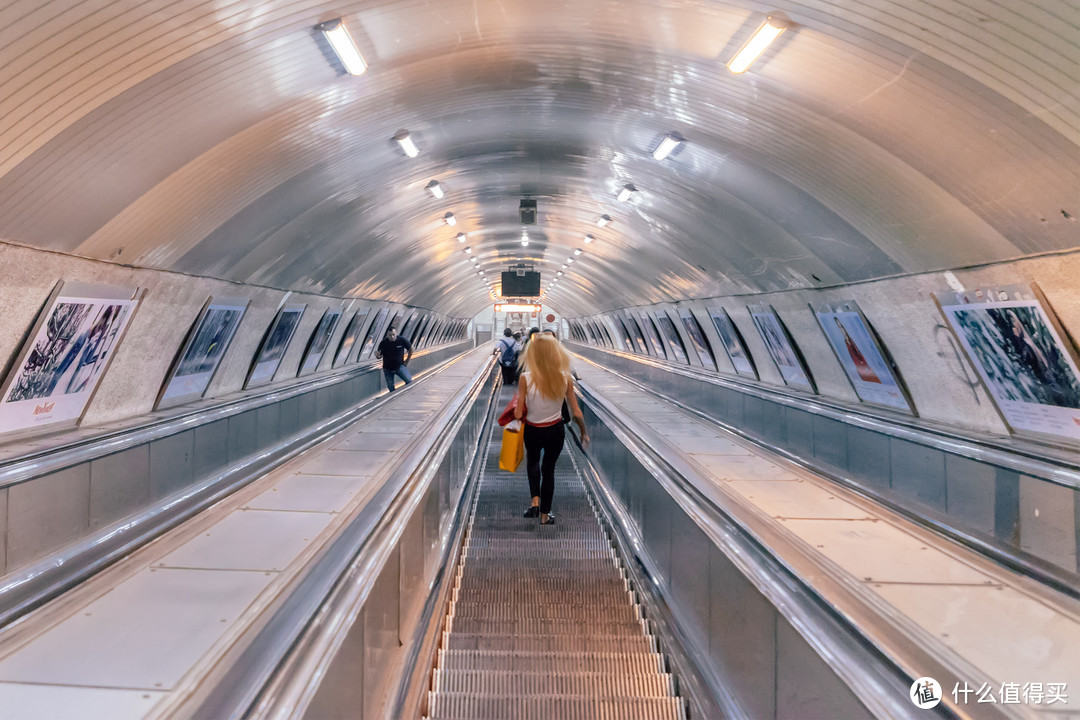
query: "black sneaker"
532, 512
550, 520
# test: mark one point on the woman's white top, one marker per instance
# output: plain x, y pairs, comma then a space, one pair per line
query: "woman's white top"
540, 410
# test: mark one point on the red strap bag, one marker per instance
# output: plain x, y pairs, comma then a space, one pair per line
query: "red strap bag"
508, 413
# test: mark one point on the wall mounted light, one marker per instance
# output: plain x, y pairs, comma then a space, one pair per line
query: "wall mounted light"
462, 237
578, 251
449, 219
666, 146
468, 250
407, 145
775, 23
589, 239
603, 220
345, 47
569, 260
435, 189
626, 192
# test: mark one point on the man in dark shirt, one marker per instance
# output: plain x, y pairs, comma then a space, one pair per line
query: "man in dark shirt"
393, 351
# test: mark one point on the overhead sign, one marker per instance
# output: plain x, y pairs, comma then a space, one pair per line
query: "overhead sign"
517, 307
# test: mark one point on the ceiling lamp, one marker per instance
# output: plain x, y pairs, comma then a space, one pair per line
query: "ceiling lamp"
626, 192
577, 251
435, 189
524, 238
462, 237
589, 239
603, 220
449, 219
666, 146
775, 23
343, 44
558, 273
407, 145
468, 250
569, 259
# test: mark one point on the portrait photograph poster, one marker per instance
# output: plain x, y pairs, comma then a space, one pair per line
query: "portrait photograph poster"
781, 348
374, 331
671, 335
861, 355
697, 336
349, 338
733, 343
320, 338
1021, 354
203, 350
68, 350
274, 344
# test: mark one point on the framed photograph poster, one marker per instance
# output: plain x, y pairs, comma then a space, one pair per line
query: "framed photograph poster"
781, 348
274, 344
635, 330
349, 337
374, 331
1021, 353
697, 337
320, 338
866, 362
653, 334
202, 350
733, 343
671, 335
69, 348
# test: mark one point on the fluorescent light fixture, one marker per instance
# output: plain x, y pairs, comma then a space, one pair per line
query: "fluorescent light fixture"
589, 239
603, 220
517, 307
626, 192
435, 189
524, 239
340, 39
666, 146
462, 237
577, 251
775, 23
407, 145
449, 219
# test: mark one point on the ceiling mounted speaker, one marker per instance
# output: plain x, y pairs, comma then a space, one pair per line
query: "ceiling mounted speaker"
527, 210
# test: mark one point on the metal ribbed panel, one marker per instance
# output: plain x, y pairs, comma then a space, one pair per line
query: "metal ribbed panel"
542, 622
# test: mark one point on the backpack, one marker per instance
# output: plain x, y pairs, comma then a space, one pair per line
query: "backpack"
509, 353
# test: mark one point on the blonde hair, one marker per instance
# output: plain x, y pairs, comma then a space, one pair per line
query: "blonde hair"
548, 364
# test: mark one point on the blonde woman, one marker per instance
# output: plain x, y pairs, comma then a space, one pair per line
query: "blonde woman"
544, 383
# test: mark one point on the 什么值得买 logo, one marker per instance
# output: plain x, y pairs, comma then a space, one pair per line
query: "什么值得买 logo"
925, 693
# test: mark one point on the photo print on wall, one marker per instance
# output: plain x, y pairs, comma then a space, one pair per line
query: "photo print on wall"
781, 348
201, 353
320, 338
71, 345
1022, 355
733, 342
349, 338
275, 343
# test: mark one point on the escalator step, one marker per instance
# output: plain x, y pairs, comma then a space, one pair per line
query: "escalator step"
629, 663
459, 706
584, 684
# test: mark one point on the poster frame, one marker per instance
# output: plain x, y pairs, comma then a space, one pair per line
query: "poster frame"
212, 302
281, 312
334, 314
685, 359
653, 336
792, 345
359, 322
377, 320
717, 312
706, 346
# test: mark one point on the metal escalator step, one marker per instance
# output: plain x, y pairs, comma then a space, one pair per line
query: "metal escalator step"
457, 706
628, 663
521, 627
624, 612
586, 684
545, 643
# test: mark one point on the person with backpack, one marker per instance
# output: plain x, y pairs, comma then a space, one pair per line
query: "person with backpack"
507, 350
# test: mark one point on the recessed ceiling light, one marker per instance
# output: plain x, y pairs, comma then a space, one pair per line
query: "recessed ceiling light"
577, 251
603, 220
449, 219
435, 189
775, 23
589, 239
666, 146
462, 237
340, 39
626, 192
407, 145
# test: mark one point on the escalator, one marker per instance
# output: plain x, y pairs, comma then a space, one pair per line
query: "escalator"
543, 621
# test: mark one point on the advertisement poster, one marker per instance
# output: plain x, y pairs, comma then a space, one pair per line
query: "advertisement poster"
203, 351
667, 329
374, 331
635, 330
697, 336
733, 343
861, 355
781, 348
59, 368
274, 344
349, 337
316, 346
1015, 345
653, 334
623, 335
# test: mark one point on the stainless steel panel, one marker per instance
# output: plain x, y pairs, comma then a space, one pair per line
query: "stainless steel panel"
3, 529
353, 463
753, 409
306, 410
868, 457
807, 688
432, 525
243, 439
1007, 506
268, 425
830, 442
289, 417
381, 622
970, 488
918, 472
311, 493
690, 574
800, 431
742, 636
774, 423
411, 575
211, 448
1048, 521
119, 485
172, 462
656, 532
373, 441
54, 701
341, 693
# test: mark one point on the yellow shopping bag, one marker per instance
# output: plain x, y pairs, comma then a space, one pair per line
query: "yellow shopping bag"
513, 447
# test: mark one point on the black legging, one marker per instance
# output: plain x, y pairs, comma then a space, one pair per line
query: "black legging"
548, 440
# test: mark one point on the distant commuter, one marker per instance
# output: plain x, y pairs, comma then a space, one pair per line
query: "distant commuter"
507, 350
545, 384
396, 352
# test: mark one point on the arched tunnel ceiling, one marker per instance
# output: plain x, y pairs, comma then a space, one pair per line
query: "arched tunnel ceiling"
223, 139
